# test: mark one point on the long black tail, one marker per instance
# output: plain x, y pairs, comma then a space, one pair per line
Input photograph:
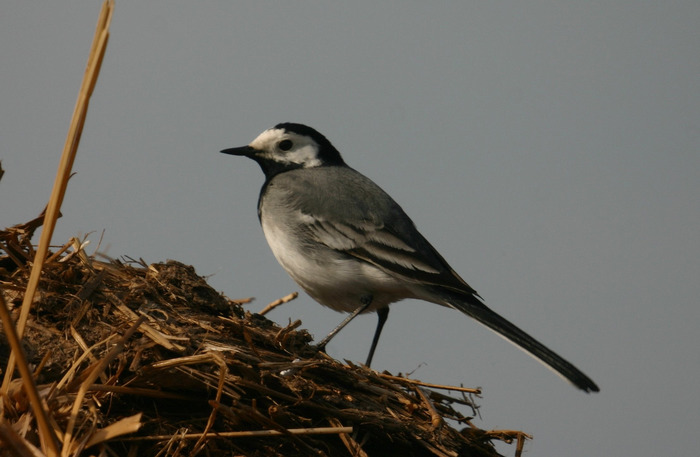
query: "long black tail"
473, 307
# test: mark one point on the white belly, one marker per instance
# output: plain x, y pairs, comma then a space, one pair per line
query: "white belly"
332, 278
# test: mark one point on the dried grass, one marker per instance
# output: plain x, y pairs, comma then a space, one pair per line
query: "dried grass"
135, 359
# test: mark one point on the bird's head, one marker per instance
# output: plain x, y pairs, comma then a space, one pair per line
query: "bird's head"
289, 146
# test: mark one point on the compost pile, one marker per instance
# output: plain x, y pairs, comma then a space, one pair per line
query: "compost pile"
179, 369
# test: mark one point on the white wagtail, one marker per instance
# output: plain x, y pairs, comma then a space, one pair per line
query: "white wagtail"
352, 248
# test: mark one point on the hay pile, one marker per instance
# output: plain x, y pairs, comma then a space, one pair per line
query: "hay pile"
180, 369
130, 359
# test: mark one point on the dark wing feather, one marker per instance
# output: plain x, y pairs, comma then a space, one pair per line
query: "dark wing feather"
370, 226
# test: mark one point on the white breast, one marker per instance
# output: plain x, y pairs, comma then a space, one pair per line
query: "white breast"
332, 278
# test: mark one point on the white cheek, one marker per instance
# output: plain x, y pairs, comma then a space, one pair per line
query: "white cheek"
305, 155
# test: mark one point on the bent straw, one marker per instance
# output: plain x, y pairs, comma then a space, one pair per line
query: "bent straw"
46, 433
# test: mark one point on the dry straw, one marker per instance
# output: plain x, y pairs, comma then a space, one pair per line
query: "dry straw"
92, 70
137, 359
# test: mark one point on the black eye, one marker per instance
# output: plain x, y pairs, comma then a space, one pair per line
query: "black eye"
285, 145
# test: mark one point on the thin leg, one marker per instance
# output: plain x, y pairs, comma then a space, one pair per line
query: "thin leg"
382, 315
366, 301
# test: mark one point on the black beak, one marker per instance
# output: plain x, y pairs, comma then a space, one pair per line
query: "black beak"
242, 151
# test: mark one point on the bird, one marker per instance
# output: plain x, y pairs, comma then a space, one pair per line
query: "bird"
353, 249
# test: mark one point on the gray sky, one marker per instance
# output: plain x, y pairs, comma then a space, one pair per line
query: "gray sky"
548, 149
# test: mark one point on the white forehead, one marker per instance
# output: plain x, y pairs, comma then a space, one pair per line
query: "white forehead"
304, 150
268, 138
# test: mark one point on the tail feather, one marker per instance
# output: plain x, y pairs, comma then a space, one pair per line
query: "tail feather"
473, 307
